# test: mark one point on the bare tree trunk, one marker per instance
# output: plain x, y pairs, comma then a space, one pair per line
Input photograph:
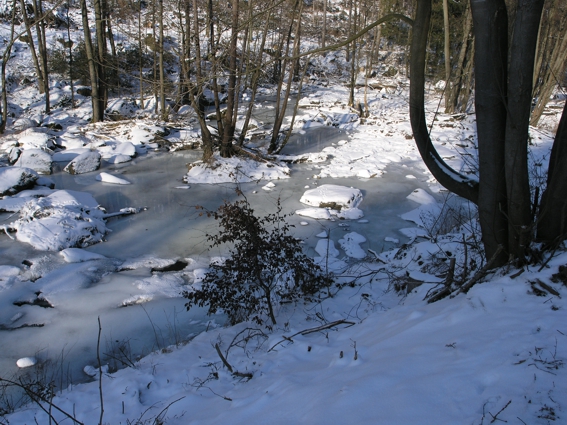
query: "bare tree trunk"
98, 113
163, 108
352, 48
324, 34
215, 66
226, 150
281, 109
5, 58
491, 57
254, 81
519, 99
42, 45
449, 178
447, 57
552, 218
551, 58
460, 84
70, 46
141, 59
101, 60
36, 60
197, 94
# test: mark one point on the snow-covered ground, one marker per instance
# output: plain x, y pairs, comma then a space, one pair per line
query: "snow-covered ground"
370, 351
363, 355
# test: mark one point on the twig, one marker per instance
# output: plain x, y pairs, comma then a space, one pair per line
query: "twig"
165, 410
548, 288
482, 272
229, 367
518, 273
495, 417
125, 211
224, 361
38, 397
311, 330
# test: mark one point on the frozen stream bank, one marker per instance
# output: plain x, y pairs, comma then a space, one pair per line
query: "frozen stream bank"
169, 229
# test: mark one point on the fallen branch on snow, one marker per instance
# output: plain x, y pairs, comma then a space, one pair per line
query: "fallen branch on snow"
312, 330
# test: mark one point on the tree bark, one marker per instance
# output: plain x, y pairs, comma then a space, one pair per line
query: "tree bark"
163, 108
228, 127
98, 113
519, 99
490, 21
552, 218
37, 65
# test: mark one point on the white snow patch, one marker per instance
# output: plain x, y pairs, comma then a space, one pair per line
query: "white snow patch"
109, 178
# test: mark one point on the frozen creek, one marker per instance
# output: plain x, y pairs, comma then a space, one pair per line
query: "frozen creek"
171, 228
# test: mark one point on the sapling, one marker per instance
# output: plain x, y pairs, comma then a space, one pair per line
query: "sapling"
266, 265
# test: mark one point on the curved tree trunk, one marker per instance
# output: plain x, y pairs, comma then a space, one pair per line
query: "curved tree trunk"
449, 178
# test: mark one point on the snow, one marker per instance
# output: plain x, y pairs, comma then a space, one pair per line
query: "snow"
26, 362
36, 159
109, 178
84, 163
332, 195
78, 255
59, 221
230, 170
14, 179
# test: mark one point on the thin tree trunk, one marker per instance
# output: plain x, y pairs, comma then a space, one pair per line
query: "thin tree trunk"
228, 127
70, 46
458, 85
98, 115
163, 108
280, 110
36, 62
42, 47
5, 58
324, 34
447, 52
254, 82
197, 93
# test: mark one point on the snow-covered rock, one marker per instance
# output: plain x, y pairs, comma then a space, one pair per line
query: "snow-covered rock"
26, 362
61, 220
350, 214
350, 244
316, 213
332, 196
326, 248
69, 154
229, 170
109, 178
36, 159
15, 179
84, 163
125, 148
22, 124
35, 140
78, 255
